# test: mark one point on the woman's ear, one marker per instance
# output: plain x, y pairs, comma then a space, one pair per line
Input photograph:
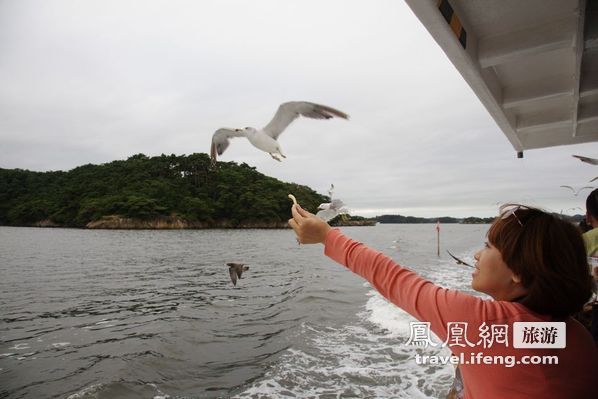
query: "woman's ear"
516, 279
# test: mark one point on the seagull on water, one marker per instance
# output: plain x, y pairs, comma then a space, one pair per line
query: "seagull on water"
235, 270
266, 138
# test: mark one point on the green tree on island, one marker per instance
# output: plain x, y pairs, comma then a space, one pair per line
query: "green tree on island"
146, 188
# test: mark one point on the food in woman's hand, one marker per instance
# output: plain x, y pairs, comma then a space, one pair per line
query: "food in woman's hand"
292, 197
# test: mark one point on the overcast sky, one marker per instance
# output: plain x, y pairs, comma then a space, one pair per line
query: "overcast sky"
96, 81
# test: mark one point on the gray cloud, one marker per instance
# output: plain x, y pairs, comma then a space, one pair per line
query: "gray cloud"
95, 81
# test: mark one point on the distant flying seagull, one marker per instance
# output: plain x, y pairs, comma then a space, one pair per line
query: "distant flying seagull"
331, 191
576, 192
591, 161
329, 211
235, 270
266, 138
459, 261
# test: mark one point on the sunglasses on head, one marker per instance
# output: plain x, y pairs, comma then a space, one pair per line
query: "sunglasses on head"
512, 211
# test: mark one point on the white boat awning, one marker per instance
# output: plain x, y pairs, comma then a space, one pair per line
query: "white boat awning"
532, 63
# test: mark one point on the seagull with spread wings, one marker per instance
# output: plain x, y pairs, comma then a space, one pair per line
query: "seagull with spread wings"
329, 211
236, 270
266, 139
459, 261
576, 192
591, 161
331, 191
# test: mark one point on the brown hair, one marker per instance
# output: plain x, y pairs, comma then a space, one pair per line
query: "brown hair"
592, 204
549, 256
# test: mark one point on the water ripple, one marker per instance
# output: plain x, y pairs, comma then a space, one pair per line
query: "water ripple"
153, 314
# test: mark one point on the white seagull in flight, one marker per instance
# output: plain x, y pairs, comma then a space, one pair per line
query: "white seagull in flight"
329, 211
266, 138
576, 192
591, 161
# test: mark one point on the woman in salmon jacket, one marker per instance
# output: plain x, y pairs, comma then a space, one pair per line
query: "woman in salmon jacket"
535, 268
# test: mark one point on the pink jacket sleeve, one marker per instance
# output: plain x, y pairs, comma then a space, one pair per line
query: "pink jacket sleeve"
406, 289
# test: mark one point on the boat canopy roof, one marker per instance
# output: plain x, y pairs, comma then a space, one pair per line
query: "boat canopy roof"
532, 63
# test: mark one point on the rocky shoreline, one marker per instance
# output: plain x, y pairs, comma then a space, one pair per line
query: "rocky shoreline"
116, 222
176, 222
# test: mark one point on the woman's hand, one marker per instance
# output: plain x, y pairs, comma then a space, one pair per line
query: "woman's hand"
309, 228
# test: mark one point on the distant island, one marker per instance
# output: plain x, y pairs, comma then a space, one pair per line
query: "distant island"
444, 219
575, 219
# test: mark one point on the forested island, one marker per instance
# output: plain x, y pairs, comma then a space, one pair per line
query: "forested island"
166, 191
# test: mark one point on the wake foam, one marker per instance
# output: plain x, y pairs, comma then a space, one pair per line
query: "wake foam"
368, 359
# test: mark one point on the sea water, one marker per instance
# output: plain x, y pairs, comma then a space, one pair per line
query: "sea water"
153, 314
